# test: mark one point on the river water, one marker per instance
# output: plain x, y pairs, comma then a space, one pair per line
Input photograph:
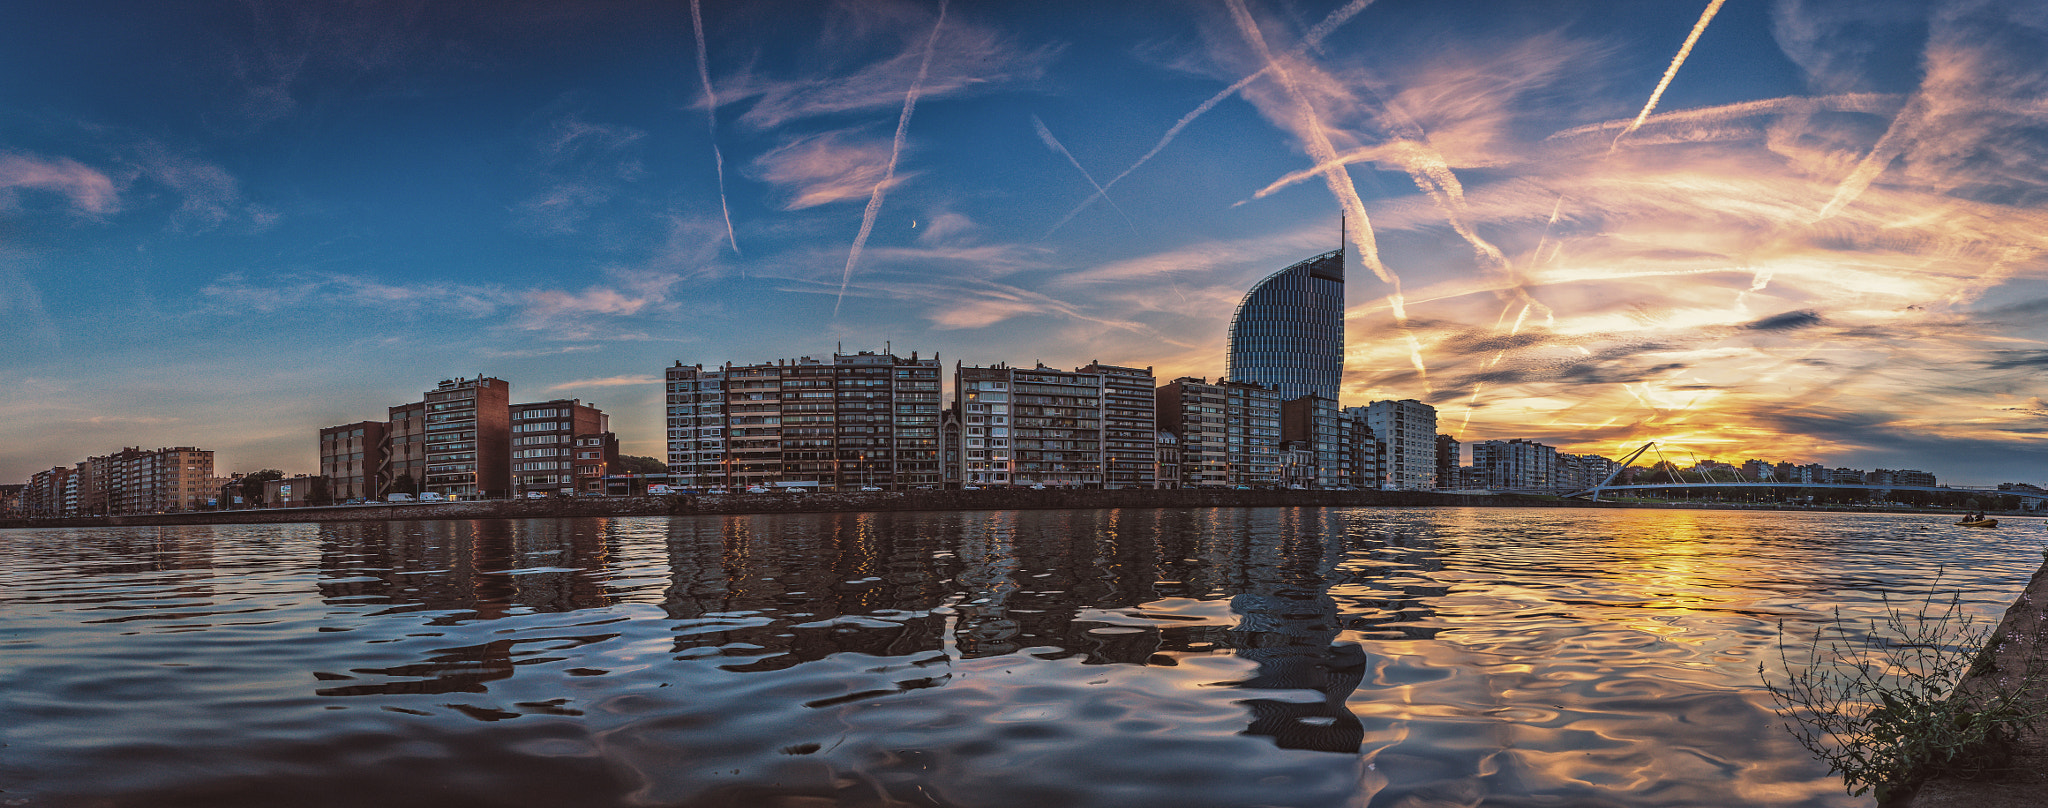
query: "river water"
1180, 658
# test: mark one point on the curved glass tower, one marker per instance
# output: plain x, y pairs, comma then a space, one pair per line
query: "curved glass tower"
1288, 332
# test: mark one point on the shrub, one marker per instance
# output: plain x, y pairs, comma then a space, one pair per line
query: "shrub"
1888, 708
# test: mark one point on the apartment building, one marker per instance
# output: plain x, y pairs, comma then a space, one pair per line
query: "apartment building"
544, 442
404, 469
1130, 425
861, 420
1311, 423
1516, 465
1408, 430
352, 458
1193, 410
1029, 427
696, 426
468, 423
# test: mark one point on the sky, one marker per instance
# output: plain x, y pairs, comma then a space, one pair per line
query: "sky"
1798, 230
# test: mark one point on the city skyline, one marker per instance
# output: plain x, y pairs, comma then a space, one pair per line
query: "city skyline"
231, 225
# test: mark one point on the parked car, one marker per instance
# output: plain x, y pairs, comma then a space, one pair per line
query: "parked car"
536, 495
715, 490
970, 488
757, 489
432, 497
659, 490
870, 488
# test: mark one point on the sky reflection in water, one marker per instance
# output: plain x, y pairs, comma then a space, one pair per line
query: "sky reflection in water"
1162, 657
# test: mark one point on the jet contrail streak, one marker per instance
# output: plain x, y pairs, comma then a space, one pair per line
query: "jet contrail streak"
1314, 37
711, 112
1317, 141
1054, 144
1672, 71
1904, 128
867, 218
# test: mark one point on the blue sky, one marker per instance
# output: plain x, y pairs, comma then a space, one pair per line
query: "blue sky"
230, 224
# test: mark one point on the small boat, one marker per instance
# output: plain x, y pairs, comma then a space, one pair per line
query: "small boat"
1979, 523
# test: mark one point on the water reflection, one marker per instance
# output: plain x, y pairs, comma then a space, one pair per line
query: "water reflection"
1183, 657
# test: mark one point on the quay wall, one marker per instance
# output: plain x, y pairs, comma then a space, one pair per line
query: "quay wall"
683, 505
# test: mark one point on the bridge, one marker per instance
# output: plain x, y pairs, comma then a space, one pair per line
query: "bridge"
1607, 484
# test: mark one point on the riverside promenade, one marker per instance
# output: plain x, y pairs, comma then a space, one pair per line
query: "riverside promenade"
689, 505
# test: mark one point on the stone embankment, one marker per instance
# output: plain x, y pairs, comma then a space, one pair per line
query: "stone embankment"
2025, 631
1002, 499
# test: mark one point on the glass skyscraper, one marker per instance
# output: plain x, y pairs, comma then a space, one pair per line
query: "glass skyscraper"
1288, 332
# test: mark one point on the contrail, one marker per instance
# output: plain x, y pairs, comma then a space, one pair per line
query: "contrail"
1054, 143
1904, 128
1672, 71
1314, 37
1320, 149
867, 218
711, 112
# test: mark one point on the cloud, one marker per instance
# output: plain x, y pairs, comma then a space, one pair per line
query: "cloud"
967, 58
608, 381
827, 167
1789, 321
581, 168
87, 189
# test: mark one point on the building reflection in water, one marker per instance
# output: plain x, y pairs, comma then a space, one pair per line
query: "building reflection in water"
765, 593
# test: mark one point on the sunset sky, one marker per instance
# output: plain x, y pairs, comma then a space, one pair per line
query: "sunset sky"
230, 224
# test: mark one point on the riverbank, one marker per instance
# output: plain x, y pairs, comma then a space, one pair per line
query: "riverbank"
2027, 785
995, 499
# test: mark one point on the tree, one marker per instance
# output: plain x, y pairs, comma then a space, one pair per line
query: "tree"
631, 464
252, 485
319, 493
405, 484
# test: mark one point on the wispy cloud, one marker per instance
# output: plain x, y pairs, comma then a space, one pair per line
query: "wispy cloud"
581, 167
86, 189
827, 167
607, 381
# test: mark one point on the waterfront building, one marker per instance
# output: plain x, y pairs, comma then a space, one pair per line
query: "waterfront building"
1448, 456
1758, 471
1298, 465
1025, 427
352, 458
468, 435
1515, 465
862, 420
1129, 425
298, 491
10, 499
405, 451
1580, 472
696, 426
136, 480
1288, 331
549, 439
1845, 476
1168, 470
1900, 477
1364, 454
1408, 430
1311, 423
950, 434
1192, 410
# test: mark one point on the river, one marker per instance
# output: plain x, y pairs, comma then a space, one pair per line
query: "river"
1176, 658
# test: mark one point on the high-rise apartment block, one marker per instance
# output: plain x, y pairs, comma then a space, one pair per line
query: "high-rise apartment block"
1130, 426
1516, 465
1229, 432
545, 448
1408, 430
1312, 423
1036, 426
863, 420
352, 458
467, 426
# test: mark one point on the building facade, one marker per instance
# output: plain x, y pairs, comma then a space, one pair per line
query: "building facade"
696, 426
548, 440
1312, 423
1030, 427
1407, 428
352, 459
1130, 425
1515, 465
468, 452
1288, 331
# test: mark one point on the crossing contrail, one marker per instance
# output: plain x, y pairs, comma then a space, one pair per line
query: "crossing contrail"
711, 112
867, 218
1054, 144
1672, 71
1316, 139
1313, 38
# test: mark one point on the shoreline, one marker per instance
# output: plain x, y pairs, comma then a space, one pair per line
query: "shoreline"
2028, 782
999, 499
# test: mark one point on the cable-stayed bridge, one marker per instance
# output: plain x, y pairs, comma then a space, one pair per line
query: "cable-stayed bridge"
1607, 485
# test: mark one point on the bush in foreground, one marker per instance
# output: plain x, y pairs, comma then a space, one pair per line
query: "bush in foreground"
1887, 708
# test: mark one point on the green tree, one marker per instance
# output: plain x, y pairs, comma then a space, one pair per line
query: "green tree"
631, 464
252, 485
405, 484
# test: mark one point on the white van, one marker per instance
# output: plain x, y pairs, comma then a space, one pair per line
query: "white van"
431, 496
398, 498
